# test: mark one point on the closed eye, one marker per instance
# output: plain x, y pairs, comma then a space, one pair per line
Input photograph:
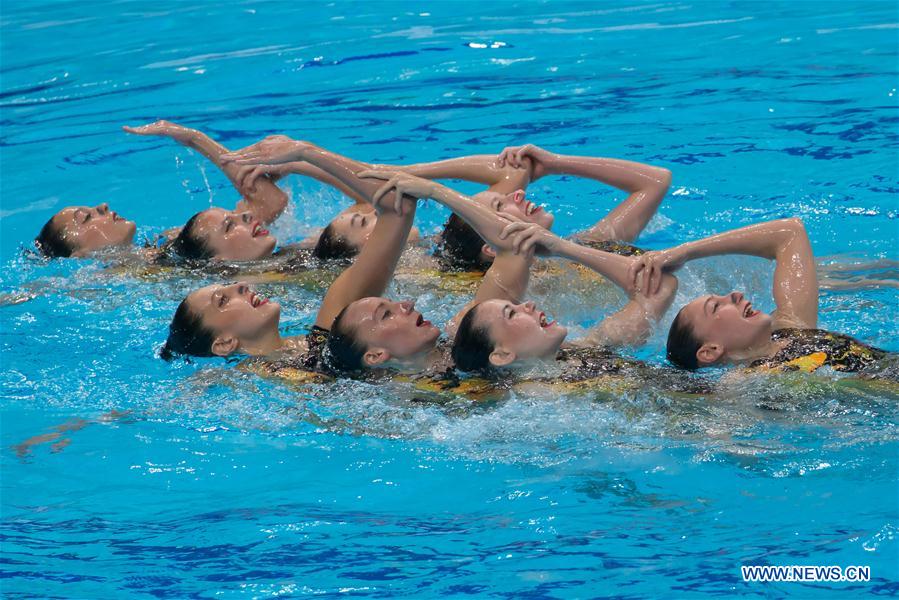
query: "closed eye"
498, 206
229, 225
223, 299
386, 314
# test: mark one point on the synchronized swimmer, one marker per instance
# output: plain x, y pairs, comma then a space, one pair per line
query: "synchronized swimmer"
498, 334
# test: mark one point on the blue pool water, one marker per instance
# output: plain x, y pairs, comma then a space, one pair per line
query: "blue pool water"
218, 484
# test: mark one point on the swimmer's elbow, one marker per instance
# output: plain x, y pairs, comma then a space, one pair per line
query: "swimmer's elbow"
796, 224
664, 178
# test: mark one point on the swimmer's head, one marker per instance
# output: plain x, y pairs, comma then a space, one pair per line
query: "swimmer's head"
463, 249
220, 320
80, 230
345, 235
371, 331
219, 234
498, 333
717, 329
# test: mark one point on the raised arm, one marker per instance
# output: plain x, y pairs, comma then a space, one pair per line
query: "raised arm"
633, 323
372, 271
508, 276
786, 242
265, 199
478, 168
481, 168
647, 185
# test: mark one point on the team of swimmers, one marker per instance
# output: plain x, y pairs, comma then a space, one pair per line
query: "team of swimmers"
497, 232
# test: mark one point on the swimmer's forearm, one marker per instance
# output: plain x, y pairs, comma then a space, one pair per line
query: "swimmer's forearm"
763, 239
341, 168
506, 279
265, 198
622, 174
483, 220
308, 170
607, 264
372, 270
481, 168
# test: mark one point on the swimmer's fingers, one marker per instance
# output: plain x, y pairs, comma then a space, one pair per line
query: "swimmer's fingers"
247, 175
647, 276
511, 228
398, 205
373, 174
381, 192
526, 238
518, 240
530, 242
505, 156
632, 271
521, 153
249, 157
658, 281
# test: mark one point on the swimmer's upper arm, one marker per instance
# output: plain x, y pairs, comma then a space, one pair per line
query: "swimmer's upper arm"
506, 279
795, 279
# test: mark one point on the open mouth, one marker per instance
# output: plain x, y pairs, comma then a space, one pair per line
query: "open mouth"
256, 300
422, 322
258, 230
117, 217
544, 322
531, 209
748, 312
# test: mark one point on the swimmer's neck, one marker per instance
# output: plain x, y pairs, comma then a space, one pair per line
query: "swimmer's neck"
274, 344
423, 361
766, 350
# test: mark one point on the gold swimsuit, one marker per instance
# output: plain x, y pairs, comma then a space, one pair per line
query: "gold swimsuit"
809, 349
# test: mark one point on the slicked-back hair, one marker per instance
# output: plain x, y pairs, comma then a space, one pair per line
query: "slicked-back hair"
472, 345
344, 352
51, 243
189, 244
187, 335
683, 344
460, 247
330, 246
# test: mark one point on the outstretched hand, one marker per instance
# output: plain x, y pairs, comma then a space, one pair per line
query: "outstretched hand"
514, 156
645, 273
273, 150
248, 174
402, 184
179, 133
528, 238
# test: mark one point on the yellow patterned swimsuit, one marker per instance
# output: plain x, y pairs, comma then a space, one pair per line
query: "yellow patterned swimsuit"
809, 349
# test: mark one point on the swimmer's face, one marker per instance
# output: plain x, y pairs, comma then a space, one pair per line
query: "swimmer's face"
234, 235
355, 227
389, 330
517, 206
88, 229
519, 332
236, 314
728, 326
